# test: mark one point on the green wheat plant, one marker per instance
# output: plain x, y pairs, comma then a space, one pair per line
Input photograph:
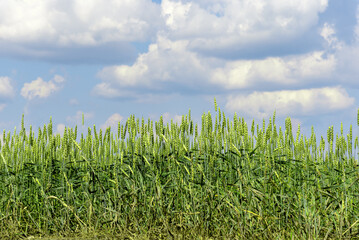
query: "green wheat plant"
152, 181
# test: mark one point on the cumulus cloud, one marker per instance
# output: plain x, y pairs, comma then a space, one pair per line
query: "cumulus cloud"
78, 22
294, 102
287, 71
174, 59
77, 31
55, 29
40, 88
234, 25
170, 63
166, 62
6, 88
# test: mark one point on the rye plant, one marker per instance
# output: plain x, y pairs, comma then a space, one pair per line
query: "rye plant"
152, 181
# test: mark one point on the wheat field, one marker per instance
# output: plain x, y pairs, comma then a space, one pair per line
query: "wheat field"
151, 181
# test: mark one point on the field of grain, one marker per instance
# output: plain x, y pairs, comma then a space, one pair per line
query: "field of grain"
232, 181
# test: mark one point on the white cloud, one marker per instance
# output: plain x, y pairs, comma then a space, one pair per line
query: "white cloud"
78, 22
165, 62
42, 89
286, 70
171, 62
294, 102
6, 88
112, 121
235, 24
328, 33
208, 24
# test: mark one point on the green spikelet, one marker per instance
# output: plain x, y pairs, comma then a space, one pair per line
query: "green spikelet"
45, 133
161, 123
191, 128
274, 117
264, 125
259, 138
22, 131
39, 136
108, 135
356, 143
95, 132
280, 134
83, 119
235, 121
118, 130
100, 136
203, 123
182, 127
208, 124
196, 131
253, 128
298, 134
75, 132
287, 125
49, 127
350, 141
88, 132
312, 135
229, 125
275, 134
142, 126
215, 104
124, 131
216, 126
189, 115
267, 134
219, 116
137, 126
288, 130
151, 133
64, 143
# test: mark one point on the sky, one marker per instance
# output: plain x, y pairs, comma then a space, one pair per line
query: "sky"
65, 58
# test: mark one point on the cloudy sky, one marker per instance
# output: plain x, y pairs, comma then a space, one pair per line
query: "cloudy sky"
65, 58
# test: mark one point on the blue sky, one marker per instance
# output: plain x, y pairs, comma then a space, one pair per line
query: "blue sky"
152, 58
